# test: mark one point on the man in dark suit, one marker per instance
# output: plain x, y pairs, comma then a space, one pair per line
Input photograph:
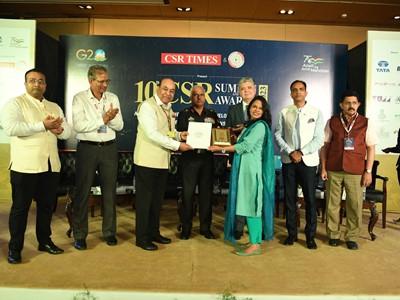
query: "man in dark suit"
237, 114
235, 120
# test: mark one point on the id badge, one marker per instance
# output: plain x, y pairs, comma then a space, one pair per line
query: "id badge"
348, 143
102, 129
171, 134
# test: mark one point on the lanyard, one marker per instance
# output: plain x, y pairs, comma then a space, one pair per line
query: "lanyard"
348, 128
166, 112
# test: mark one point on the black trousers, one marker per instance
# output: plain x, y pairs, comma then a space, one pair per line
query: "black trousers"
150, 190
300, 174
43, 188
90, 158
197, 169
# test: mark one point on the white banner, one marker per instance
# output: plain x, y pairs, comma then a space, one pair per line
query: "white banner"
383, 85
17, 55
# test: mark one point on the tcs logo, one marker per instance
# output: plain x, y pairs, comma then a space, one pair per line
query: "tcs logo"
89, 54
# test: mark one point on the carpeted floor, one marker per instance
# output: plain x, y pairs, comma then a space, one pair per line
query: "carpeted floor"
204, 266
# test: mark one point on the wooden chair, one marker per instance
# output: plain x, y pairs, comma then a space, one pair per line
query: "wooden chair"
125, 177
373, 196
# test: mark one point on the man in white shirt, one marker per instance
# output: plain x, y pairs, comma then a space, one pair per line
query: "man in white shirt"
96, 117
34, 125
156, 138
299, 135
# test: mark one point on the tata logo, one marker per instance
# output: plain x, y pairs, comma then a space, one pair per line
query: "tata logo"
89, 54
383, 66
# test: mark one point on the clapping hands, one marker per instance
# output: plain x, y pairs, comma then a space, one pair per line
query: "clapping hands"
110, 114
53, 124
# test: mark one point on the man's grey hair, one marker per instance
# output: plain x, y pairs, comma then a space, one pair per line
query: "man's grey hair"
246, 79
94, 69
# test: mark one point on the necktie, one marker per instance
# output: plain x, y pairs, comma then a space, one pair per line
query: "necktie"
298, 138
246, 118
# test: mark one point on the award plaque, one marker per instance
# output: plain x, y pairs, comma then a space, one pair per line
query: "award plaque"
220, 137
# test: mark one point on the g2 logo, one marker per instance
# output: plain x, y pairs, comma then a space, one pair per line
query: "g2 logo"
84, 54
89, 54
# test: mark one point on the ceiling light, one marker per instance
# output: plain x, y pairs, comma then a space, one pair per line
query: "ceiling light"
396, 17
286, 12
184, 9
85, 6
344, 15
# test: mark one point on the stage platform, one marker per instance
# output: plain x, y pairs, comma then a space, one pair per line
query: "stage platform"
198, 268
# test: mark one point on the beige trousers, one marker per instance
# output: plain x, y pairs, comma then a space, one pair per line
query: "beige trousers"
337, 181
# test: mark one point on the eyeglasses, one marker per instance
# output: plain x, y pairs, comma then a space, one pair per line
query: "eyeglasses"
103, 81
198, 95
38, 81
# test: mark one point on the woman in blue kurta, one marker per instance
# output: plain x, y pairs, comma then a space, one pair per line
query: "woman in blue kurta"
252, 181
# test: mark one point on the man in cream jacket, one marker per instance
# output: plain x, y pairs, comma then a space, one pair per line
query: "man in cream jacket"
34, 125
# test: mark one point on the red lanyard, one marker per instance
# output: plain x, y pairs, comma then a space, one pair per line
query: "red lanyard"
348, 128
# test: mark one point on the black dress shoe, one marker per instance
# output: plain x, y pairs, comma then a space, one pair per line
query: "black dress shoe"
334, 242
161, 240
14, 257
184, 235
50, 248
290, 240
352, 245
311, 244
208, 234
149, 246
80, 244
111, 240
238, 234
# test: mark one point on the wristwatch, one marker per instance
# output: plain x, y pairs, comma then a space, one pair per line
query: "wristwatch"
369, 171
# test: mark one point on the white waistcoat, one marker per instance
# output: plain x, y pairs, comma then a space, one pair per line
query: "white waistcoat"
148, 153
307, 129
30, 154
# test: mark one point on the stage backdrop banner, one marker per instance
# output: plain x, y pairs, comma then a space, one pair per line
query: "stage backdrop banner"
136, 64
383, 85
